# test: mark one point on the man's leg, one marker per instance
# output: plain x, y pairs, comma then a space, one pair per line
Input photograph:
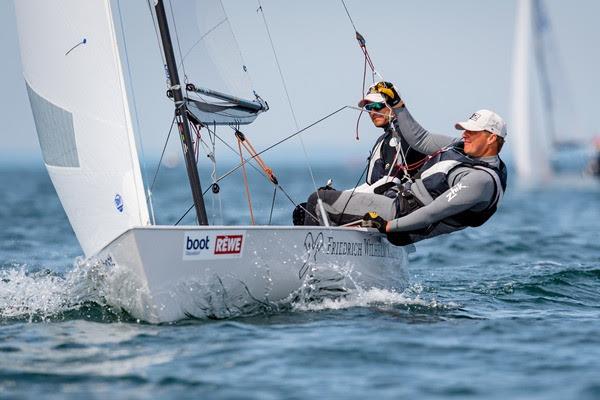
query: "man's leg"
344, 207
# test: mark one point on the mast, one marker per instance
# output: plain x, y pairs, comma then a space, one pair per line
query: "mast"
181, 112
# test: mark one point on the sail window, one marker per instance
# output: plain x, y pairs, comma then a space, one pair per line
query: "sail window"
55, 131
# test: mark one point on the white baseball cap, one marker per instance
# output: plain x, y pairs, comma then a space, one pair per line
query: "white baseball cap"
372, 98
484, 120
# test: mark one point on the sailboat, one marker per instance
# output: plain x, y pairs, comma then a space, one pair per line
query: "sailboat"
539, 139
73, 56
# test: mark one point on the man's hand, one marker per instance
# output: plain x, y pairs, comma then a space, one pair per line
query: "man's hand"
373, 220
388, 91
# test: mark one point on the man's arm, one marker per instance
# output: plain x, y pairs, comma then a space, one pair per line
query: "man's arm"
417, 136
474, 189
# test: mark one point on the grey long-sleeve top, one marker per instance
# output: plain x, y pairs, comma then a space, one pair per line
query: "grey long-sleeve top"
470, 189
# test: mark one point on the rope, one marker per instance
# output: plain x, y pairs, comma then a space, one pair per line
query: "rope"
243, 141
210, 153
246, 161
213, 174
246, 181
256, 168
276, 144
252, 152
399, 151
362, 43
278, 186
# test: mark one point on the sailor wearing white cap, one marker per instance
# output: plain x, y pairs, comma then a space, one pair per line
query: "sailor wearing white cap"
460, 184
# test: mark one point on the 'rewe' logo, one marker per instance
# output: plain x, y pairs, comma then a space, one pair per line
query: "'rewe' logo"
228, 244
454, 191
207, 244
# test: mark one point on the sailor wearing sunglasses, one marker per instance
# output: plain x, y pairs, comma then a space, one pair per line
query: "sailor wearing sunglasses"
459, 185
392, 158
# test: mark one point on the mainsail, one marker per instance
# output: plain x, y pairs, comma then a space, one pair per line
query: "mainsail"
76, 87
545, 125
531, 150
217, 84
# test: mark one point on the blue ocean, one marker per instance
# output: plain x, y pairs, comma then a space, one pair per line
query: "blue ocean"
507, 311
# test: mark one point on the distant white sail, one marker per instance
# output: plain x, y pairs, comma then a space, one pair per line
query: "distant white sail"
529, 147
76, 87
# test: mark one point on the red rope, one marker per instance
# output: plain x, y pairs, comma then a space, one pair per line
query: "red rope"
197, 144
246, 181
416, 164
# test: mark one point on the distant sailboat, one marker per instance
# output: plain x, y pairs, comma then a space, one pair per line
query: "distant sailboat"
529, 145
77, 82
538, 92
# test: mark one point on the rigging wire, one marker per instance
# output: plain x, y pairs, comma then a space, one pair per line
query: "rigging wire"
368, 61
156, 31
272, 205
213, 175
284, 139
349, 17
362, 43
283, 82
162, 154
185, 78
247, 161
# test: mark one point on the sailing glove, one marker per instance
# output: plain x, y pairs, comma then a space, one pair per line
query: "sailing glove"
388, 91
373, 220
299, 214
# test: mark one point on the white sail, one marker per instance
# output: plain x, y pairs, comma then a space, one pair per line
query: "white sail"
208, 57
76, 87
529, 144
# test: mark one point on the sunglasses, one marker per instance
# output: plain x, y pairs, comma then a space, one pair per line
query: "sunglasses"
375, 106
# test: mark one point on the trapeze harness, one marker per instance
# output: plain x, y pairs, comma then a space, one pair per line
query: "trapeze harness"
384, 152
435, 175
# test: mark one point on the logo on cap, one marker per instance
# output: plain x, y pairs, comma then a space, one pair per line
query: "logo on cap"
475, 116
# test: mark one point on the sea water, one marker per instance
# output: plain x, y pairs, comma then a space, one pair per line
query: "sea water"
509, 310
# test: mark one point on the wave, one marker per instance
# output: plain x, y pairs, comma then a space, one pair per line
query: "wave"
552, 283
90, 292
43, 295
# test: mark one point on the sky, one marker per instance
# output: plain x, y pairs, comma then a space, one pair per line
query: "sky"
447, 59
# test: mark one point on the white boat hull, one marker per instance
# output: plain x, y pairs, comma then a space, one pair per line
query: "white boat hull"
170, 273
